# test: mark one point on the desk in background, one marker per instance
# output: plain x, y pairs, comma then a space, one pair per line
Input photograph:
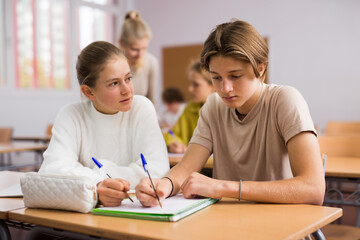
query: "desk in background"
175, 158
343, 182
43, 139
38, 148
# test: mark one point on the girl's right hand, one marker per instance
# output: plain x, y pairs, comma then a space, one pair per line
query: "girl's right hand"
146, 194
111, 192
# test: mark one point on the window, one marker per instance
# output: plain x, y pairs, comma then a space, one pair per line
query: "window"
43, 43
100, 22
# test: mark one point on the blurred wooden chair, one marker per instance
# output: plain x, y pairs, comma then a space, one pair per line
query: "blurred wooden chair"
48, 130
340, 146
5, 138
6, 134
338, 128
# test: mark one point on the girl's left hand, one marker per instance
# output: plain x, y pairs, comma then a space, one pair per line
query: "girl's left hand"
200, 185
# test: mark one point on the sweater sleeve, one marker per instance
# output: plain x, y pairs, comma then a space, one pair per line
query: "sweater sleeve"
146, 139
62, 155
153, 79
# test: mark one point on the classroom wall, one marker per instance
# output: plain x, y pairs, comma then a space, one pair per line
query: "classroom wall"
314, 45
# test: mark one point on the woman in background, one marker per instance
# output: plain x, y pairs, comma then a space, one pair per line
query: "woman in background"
200, 88
134, 39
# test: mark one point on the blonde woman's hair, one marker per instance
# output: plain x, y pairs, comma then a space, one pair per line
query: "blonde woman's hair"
237, 39
133, 28
196, 66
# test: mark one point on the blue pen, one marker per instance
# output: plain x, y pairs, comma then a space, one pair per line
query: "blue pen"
100, 166
172, 134
144, 163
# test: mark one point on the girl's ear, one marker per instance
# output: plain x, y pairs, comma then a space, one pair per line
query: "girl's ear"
87, 91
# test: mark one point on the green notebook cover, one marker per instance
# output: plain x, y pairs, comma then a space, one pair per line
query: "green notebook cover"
174, 209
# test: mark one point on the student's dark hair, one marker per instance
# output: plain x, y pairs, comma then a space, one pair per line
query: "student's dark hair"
92, 59
172, 95
239, 40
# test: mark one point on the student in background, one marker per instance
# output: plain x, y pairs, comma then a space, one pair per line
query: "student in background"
200, 88
173, 100
134, 39
111, 125
262, 137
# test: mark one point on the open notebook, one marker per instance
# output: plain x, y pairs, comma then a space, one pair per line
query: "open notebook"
174, 209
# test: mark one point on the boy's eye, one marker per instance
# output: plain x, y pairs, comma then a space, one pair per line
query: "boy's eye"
236, 76
113, 84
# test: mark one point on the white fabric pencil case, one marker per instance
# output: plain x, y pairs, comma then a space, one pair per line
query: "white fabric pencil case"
63, 192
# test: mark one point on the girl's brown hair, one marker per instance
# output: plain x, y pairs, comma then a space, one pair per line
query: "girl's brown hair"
92, 59
196, 66
237, 39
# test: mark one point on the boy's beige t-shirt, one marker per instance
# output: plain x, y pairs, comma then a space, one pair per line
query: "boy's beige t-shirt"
254, 148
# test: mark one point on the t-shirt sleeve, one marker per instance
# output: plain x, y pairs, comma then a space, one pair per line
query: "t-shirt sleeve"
202, 133
292, 113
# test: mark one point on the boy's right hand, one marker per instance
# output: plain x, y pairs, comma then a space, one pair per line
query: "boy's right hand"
146, 194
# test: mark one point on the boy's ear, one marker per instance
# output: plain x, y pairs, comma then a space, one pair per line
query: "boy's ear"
261, 68
87, 91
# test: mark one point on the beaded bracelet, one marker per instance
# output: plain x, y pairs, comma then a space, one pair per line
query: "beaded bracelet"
172, 186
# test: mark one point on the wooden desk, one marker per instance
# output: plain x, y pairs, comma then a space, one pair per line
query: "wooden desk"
8, 179
344, 167
22, 147
227, 219
44, 139
343, 182
176, 158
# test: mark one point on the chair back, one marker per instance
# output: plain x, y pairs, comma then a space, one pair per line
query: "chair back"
334, 128
6, 134
340, 146
48, 130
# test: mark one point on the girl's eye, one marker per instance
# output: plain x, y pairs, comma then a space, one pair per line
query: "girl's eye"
113, 84
216, 78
